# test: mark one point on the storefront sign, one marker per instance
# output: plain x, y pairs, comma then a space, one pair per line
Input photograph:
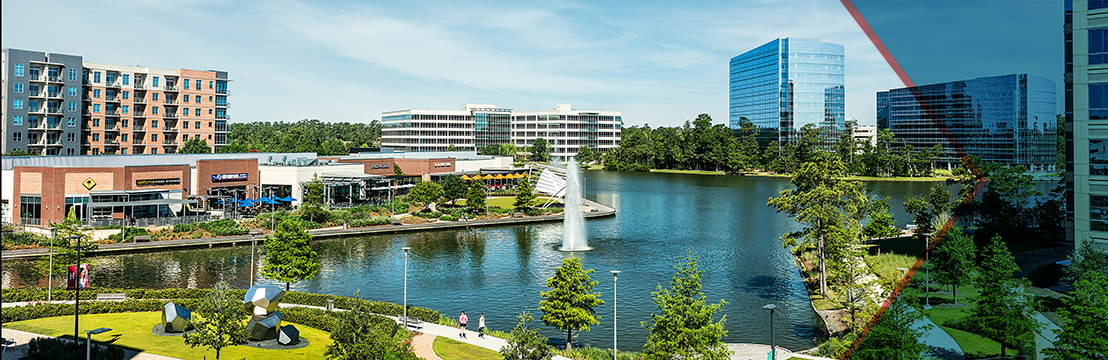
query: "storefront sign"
379, 166
229, 177
149, 182
442, 165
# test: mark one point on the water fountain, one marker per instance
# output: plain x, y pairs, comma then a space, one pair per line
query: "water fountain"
573, 237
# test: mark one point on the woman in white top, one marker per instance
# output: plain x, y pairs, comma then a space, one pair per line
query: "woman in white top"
481, 326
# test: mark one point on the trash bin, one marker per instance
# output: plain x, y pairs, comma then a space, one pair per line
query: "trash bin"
330, 304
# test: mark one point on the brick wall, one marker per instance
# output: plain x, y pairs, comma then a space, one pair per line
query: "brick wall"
206, 168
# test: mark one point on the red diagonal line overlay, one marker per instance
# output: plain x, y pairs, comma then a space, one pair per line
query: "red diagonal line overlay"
877, 42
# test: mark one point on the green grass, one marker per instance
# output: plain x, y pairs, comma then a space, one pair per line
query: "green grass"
449, 349
893, 178
134, 331
973, 345
505, 202
697, 172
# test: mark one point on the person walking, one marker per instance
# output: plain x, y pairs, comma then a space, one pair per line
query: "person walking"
463, 320
481, 326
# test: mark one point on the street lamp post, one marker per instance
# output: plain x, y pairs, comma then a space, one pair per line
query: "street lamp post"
406, 251
50, 285
927, 274
88, 340
772, 339
615, 313
77, 298
253, 234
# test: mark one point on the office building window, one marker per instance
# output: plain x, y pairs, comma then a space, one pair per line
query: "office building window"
154, 81
96, 122
18, 88
126, 95
154, 97
126, 79
71, 137
72, 91
96, 108
125, 109
1098, 101
17, 104
154, 110
1098, 46
72, 106
186, 84
95, 137
1097, 4
96, 93
17, 120
96, 77
71, 122
72, 74
19, 70
197, 99
17, 136
197, 112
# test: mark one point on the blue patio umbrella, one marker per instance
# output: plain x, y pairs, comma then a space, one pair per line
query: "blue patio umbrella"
267, 200
263, 199
246, 203
287, 198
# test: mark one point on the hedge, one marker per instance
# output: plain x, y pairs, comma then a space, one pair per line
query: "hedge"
181, 296
373, 221
46, 348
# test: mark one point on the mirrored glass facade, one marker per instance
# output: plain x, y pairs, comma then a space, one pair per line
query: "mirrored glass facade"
1008, 119
787, 83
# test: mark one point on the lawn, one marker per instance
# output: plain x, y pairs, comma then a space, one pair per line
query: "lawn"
697, 172
973, 345
505, 202
449, 349
134, 331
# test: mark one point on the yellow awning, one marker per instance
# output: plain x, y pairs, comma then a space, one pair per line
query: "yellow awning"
499, 176
464, 177
489, 177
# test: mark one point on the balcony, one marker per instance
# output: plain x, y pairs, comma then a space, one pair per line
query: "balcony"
225, 104
112, 98
36, 94
111, 128
221, 92
171, 101
139, 100
37, 77
138, 128
139, 85
171, 88
138, 142
54, 94
140, 113
56, 79
46, 142
111, 113
112, 142
113, 84
170, 115
170, 142
54, 110
44, 126
170, 129
222, 117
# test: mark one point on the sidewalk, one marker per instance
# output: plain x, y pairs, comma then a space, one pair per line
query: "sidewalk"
21, 338
940, 344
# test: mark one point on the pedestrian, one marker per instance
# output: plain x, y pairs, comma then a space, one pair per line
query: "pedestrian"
481, 326
463, 320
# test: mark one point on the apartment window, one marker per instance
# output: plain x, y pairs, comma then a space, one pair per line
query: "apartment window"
123, 151
185, 137
96, 93
124, 138
154, 124
17, 136
17, 120
95, 137
126, 122
154, 110
211, 85
197, 112
19, 70
209, 111
1098, 46
96, 108
125, 108
72, 106
71, 137
72, 91
111, 78
71, 122
96, 122
17, 104
126, 95
185, 98
53, 71
153, 150
72, 74
186, 112
185, 124
70, 151
154, 137
154, 97
126, 79
18, 88
96, 77
197, 99
33, 104
186, 84
154, 81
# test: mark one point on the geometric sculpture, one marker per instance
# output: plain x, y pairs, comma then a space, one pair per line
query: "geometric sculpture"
175, 317
288, 335
264, 327
263, 299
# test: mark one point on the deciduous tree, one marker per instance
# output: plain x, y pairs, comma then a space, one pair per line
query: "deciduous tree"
425, 192
953, 260
1004, 311
220, 323
195, 145
570, 303
685, 327
289, 255
362, 335
453, 187
525, 343
476, 197
524, 194
1084, 318
540, 150
895, 335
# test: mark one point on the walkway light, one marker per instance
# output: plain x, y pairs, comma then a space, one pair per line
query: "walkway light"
615, 313
406, 251
88, 341
772, 339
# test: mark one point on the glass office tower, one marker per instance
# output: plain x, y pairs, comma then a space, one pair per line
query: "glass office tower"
788, 83
1008, 119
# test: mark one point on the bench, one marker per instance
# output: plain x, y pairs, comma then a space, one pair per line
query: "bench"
142, 238
411, 322
111, 297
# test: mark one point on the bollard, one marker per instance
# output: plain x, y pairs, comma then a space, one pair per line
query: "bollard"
330, 304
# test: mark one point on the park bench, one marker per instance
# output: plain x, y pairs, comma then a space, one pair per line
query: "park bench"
142, 238
411, 322
111, 297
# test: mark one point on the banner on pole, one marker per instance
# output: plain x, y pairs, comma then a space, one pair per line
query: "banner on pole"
78, 278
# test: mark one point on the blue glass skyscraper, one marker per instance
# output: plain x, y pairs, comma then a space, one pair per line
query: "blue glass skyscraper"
788, 83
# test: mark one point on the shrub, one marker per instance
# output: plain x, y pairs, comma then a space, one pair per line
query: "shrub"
129, 234
448, 218
185, 227
428, 215
373, 221
52, 348
224, 227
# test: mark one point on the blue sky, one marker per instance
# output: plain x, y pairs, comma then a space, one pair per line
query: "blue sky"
658, 62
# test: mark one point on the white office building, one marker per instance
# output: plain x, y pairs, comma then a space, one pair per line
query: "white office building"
478, 125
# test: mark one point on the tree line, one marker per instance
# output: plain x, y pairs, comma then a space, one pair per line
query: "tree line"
701, 145
306, 135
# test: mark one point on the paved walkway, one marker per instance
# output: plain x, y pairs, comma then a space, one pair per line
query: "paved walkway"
761, 351
21, 338
940, 344
1045, 338
424, 346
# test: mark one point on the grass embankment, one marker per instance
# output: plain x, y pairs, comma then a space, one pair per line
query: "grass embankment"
450, 349
697, 172
133, 331
505, 202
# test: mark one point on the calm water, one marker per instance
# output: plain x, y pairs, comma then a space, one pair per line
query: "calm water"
500, 271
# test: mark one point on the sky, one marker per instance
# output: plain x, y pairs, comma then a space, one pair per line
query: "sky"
659, 63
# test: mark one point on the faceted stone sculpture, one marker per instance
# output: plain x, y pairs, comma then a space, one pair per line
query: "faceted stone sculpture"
264, 327
265, 297
175, 317
288, 335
